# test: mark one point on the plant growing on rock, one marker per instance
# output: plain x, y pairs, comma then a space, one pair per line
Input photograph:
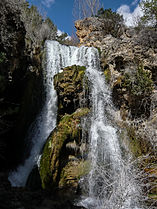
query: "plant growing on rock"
139, 87
140, 84
132, 93
149, 8
114, 22
38, 29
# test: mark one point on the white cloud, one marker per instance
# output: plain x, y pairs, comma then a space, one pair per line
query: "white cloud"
134, 2
130, 18
48, 3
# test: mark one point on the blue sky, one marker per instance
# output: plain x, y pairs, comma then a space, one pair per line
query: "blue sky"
60, 11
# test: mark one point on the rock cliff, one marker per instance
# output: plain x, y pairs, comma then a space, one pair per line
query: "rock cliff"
21, 92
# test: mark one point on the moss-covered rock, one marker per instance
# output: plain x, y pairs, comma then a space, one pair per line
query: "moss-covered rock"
55, 155
69, 85
72, 172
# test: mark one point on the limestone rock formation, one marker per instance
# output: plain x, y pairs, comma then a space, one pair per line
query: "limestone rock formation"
92, 30
61, 145
62, 163
71, 89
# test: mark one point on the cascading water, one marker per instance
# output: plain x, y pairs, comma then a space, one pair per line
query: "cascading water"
58, 56
44, 123
110, 182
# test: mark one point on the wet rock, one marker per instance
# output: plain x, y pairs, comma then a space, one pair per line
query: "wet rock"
19, 85
71, 86
55, 155
34, 181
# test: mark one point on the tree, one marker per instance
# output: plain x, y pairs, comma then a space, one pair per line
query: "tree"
113, 22
38, 29
85, 8
149, 8
109, 14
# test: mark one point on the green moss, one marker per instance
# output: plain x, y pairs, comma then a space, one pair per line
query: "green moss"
73, 74
152, 196
45, 171
72, 172
99, 51
54, 155
80, 112
83, 168
69, 85
134, 142
107, 74
119, 81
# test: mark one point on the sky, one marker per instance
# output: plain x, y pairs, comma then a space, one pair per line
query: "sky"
60, 11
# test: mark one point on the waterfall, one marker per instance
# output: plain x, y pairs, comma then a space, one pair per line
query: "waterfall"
110, 182
57, 57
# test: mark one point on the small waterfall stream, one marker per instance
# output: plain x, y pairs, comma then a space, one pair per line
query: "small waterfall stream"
110, 183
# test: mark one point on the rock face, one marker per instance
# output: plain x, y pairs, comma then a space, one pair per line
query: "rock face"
92, 30
61, 164
129, 62
70, 87
20, 83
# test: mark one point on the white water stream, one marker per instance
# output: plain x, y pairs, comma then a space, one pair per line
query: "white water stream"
110, 183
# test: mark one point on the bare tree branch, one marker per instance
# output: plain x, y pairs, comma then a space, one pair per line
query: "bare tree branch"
85, 8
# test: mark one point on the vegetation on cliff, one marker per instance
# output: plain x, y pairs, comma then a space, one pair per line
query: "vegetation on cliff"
114, 22
23, 32
133, 91
150, 12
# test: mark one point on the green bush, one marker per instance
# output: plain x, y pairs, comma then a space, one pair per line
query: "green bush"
139, 84
38, 29
114, 22
109, 14
149, 8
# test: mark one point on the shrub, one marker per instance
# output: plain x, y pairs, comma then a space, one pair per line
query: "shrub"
114, 22
140, 84
149, 8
